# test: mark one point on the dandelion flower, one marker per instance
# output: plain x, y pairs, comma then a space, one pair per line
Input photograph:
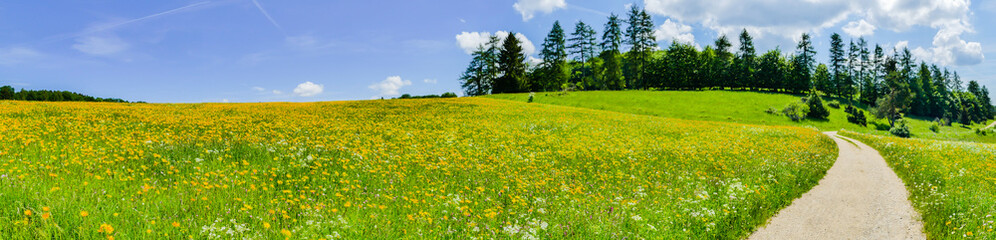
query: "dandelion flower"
27, 212
176, 224
84, 214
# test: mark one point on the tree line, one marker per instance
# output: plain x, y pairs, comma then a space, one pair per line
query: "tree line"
8, 93
895, 84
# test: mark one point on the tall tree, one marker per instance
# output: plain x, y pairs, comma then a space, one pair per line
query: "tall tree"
897, 100
583, 48
745, 61
803, 63
725, 58
837, 64
480, 75
553, 72
770, 73
681, 64
612, 75
511, 66
642, 42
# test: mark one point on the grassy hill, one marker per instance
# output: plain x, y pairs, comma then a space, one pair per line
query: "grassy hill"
951, 184
731, 106
385, 169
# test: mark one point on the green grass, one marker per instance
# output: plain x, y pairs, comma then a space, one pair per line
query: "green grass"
460, 168
951, 184
733, 106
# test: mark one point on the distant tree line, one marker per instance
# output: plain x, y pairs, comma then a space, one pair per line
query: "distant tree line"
894, 84
8, 93
444, 95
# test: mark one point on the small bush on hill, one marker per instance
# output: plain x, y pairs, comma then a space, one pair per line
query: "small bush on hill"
881, 126
771, 110
856, 116
834, 104
796, 111
935, 126
816, 108
900, 130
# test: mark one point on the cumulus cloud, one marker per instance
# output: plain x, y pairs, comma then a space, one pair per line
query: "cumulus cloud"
790, 18
100, 46
431, 81
859, 28
308, 89
673, 31
469, 41
529, 8
390, 86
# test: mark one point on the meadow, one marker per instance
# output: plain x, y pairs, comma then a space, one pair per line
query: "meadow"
467, 168
951, 184
738, 107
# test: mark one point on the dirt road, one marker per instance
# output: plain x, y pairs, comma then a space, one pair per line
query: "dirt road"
859, 198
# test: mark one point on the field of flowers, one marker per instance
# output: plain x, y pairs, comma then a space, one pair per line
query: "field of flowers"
951, 184
466, 168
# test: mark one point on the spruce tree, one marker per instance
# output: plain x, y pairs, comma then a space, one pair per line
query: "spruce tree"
553, 72
511, 66
745, 61
583, 48
837, 67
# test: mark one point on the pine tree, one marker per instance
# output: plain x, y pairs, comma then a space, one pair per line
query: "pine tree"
553, 72
512, 67
745, 61
640, 37
837, 67
822, 79
480, 75
583, 48
725, 58
612, 75
802, 70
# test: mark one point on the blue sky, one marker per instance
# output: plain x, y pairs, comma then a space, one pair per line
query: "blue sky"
311, 50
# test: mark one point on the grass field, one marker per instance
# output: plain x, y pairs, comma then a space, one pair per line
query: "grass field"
951, 184
731, 106
446, 168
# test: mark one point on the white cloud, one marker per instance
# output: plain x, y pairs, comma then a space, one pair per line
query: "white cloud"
528, 8
278, 92
673, 31
100, 46
790, 18
390, 86
258, 89
15, 55
469, 41
308, 89
430, 81
859, 28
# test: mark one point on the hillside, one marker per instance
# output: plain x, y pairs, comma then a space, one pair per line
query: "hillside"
732, 106
386, 169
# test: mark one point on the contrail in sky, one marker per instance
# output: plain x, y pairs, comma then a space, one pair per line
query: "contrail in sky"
101, 28
262, 10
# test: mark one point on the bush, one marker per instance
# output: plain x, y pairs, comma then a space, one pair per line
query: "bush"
900, 130
448, 95
935, 126
772, 111
816, 108
881, 126
531, 95
856, 116
796, 111
834, 104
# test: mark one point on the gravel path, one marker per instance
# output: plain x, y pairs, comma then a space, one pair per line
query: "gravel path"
991, 125
859, 198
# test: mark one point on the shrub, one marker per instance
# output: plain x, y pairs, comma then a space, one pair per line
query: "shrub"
881, 126
981, 132
935, 127
531, 95
856, 116
900, 130
816, 108
448, 95
772, 111
834, 104
796, 111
